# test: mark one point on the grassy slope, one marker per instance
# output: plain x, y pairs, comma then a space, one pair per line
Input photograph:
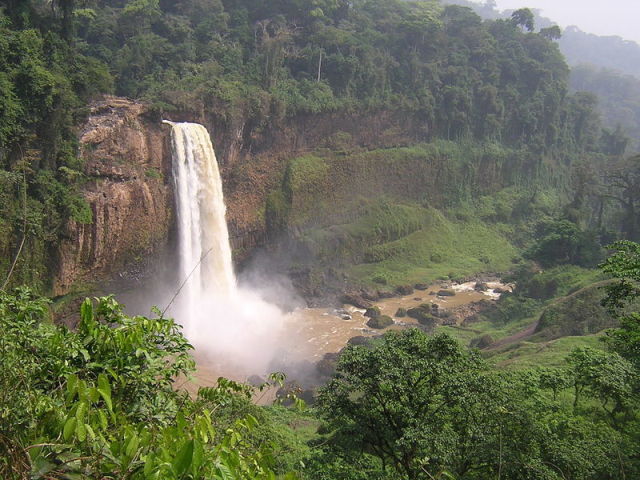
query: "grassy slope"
379, 217
441, 248
548, 345
549, 354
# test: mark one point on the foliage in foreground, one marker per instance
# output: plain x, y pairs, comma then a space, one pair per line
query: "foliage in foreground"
101, 403
423, 407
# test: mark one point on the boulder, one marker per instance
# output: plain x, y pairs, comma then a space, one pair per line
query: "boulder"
372, 312
446, 293
356, 300
401, 312
481, 287
428, 321
359, 340
404, 290
370, 295
345, 316
380, 322
425, 314
421, 286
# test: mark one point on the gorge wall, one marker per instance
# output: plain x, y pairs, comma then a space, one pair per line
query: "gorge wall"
126, 154
127, 162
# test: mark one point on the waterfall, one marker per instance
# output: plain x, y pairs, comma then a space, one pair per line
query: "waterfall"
225, 321
203, 239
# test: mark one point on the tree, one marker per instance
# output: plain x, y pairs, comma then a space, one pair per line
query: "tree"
562, 241
426, 408
605, 376
66, 7
551, 33
423, 406
622, 184
624, 265
396, 400
101, 402
524, 18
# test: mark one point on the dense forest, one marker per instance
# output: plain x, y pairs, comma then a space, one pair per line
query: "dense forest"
462, 78
104, 399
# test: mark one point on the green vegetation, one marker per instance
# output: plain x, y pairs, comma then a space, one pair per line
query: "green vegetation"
549, 313
499, 169
422, 407
443, 248
101, 402
618, 99
253, 66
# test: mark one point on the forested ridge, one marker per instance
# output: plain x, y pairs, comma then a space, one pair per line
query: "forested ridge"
510, 172
459, 77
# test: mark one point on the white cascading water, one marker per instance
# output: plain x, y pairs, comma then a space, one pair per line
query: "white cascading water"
220, 318
203, 238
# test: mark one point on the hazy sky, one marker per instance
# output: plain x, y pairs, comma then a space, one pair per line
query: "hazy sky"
603, 17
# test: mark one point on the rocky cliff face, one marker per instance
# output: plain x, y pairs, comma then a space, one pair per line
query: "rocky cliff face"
127, 163
127, 155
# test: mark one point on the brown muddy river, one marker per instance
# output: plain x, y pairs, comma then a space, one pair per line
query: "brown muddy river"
318, 331
326, 332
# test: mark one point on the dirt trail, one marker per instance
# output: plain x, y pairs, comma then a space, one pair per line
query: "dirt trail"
516, 337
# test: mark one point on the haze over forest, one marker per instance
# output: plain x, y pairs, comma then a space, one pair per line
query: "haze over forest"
615, 17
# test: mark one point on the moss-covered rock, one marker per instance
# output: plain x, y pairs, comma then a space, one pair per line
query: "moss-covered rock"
372, 312
380, 322
356, 300
446, 293
425, 314
404, 290
401, 312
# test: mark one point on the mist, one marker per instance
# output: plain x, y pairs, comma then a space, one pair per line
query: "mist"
616, 17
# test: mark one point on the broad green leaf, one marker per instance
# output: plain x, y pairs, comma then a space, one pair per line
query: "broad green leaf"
72, 385
132, 446
90, 432
81, 411
104, 388
86, 311
198, 455
81, 431
149, 465
183, 459
103, 420
69, 428
224, 472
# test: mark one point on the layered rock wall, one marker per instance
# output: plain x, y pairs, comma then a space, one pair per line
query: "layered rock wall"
126, 154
